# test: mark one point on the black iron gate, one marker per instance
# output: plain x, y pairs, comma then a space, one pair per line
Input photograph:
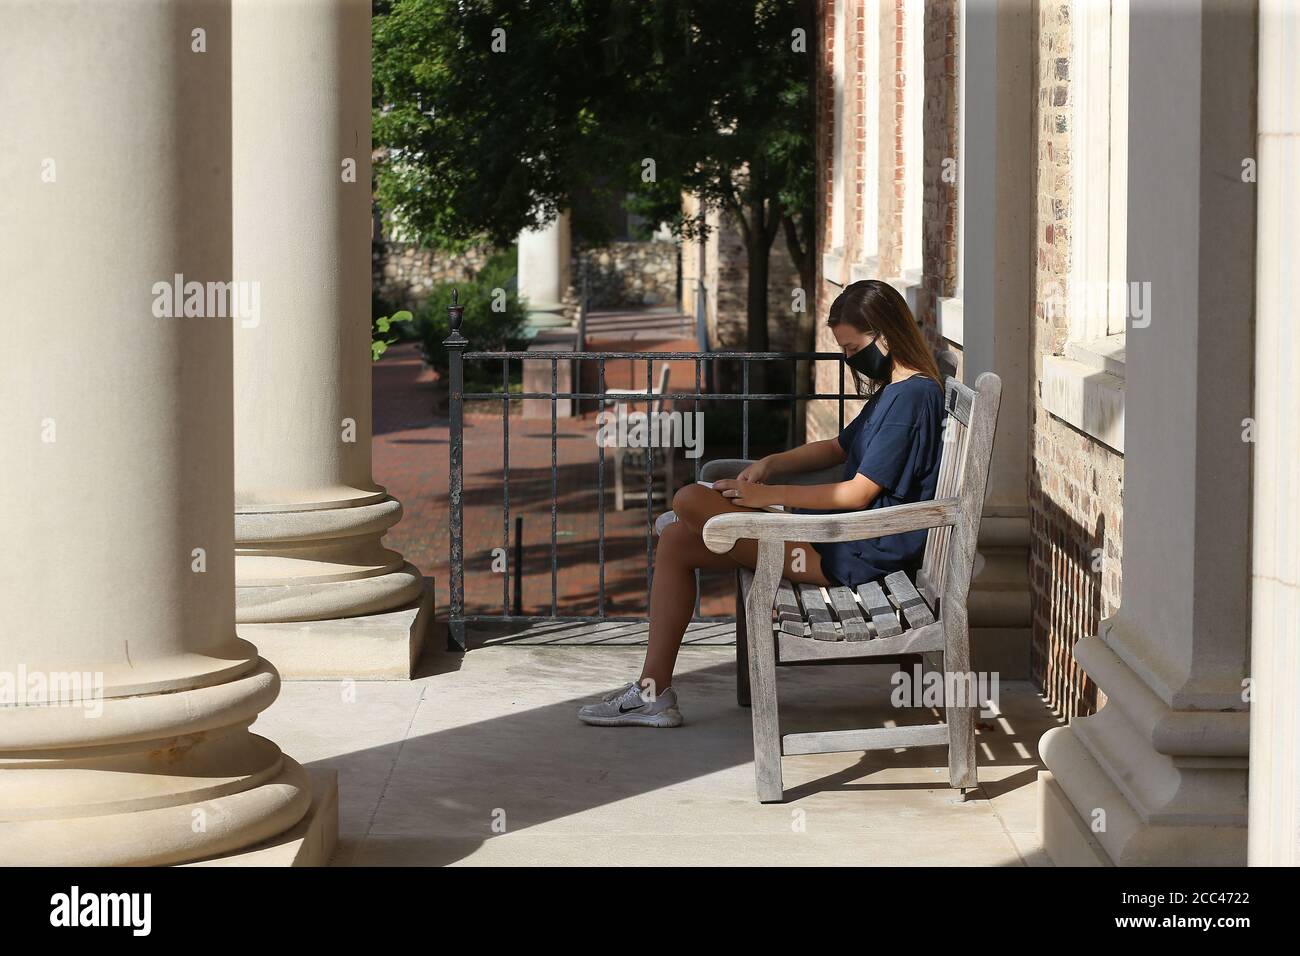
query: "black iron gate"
457, 346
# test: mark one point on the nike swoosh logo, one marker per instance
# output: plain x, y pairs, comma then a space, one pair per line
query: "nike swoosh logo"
626, 710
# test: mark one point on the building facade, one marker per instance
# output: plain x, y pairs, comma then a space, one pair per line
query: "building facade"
1072, 193
1093, 198
714, 274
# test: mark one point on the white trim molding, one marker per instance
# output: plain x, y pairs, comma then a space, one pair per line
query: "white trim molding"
868, 268
952, 319
1099, 91
870, 198
839, 179
913, 133
833, 263
909, 286
1085, 388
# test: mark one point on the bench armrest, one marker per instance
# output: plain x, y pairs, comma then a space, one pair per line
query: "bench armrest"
721, 532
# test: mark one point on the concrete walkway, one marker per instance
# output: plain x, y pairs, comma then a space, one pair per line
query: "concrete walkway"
427, 768
481, 760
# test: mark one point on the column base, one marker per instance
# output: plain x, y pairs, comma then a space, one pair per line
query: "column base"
311, 843
320, 564
1151, 784
999, 604
1065, 836
547, 315
382, 646
154, 779
293, 603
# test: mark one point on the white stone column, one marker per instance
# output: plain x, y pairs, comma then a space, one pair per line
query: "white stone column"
116, 575
544, 271
316, 588
997, 300
1158, 775
1274, 833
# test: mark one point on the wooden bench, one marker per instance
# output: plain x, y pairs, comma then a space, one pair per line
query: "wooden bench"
785, 623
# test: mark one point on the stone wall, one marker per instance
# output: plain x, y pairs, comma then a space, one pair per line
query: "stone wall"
621, 274
404, 275
629, 273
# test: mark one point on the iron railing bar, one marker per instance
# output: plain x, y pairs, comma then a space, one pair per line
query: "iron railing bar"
455, 344
696, 410
575, 619
600, 496
841, 396
744, 410
505, 486
555, 489
667, 396
543, 354
649, 483
698, 465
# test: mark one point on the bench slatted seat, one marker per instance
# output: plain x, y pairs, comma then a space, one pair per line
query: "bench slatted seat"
816, 612
788, 613
879, 609
853, 626
780, 622
916, 612
802, 609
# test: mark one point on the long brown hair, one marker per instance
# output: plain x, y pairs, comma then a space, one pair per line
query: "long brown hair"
872, 306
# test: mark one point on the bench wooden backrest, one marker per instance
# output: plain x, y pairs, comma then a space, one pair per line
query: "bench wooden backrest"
963, 473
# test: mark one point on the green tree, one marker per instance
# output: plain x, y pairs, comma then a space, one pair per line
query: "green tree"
489, 113
496, 113
734, 127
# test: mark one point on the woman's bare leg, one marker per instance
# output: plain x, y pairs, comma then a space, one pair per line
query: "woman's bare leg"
680, 552
672, 599
696, 504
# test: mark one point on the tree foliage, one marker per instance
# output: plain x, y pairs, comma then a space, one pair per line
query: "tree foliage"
491, 112
497, 113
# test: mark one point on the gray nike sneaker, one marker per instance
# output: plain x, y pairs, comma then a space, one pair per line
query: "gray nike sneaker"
626, 708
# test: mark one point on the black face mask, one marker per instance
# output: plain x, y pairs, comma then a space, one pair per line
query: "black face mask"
871, 362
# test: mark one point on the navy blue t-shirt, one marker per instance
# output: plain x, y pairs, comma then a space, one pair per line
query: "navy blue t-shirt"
896, 441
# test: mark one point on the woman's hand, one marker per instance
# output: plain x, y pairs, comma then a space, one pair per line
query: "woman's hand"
748, 494
757, 471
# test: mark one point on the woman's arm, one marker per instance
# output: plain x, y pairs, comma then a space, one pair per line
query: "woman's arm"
810, 457
852, 495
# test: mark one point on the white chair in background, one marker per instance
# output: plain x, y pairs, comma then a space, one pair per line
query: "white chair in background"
661, 465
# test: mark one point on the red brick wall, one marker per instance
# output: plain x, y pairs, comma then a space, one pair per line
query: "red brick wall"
822, 416
892, 155
732, 263
939, 197
1075, 483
